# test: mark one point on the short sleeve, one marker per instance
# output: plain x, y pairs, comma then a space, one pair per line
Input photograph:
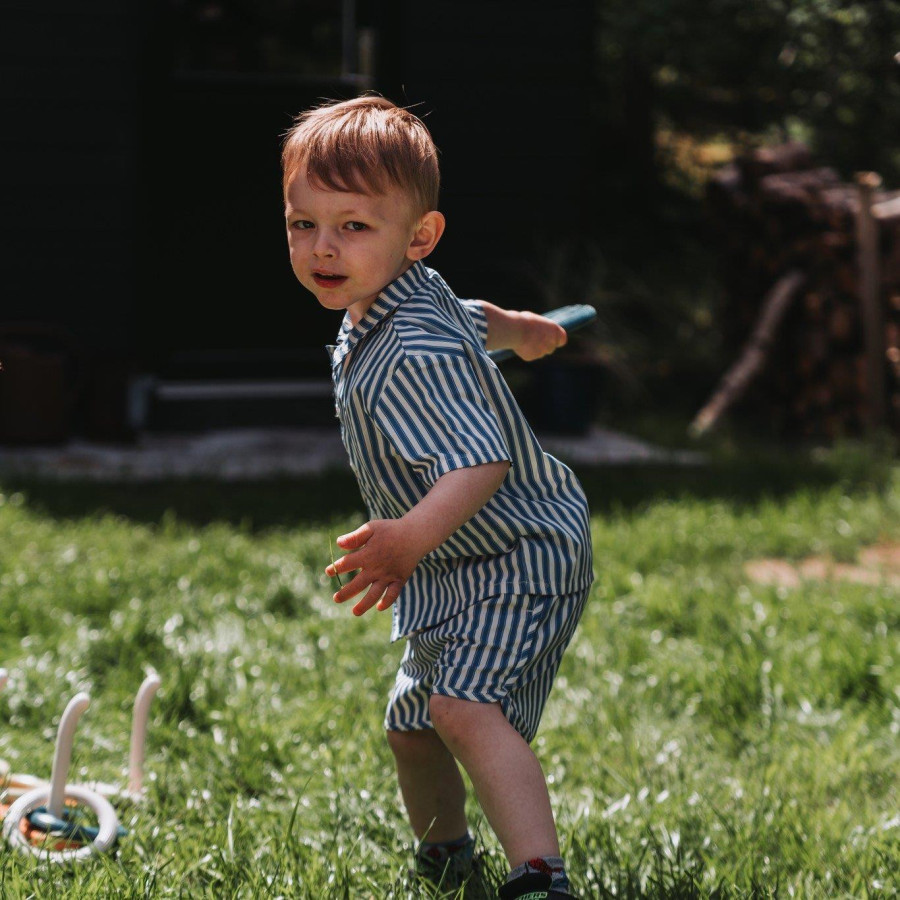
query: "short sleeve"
434, 413
475, 309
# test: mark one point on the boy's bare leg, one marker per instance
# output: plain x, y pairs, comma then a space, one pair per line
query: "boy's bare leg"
431, 784
505, 773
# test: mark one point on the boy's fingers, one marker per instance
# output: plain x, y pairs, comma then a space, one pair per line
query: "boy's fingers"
341, 566
352, 588
371, 598
355, 539
390, 597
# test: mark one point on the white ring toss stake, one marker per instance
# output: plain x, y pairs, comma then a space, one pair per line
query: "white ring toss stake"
134, 790
43, 803
145, 694
62, 755
54, 795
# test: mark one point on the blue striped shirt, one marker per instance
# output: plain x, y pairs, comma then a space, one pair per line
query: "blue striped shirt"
417, 396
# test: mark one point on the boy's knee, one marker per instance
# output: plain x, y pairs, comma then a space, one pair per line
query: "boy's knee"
454, 719
402, 743
411, 746
440, 708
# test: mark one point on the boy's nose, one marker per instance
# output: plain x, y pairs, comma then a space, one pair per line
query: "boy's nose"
324, 246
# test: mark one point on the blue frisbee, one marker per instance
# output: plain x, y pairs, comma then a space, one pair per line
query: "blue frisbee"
570, 317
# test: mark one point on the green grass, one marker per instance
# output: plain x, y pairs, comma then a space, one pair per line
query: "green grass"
707, 736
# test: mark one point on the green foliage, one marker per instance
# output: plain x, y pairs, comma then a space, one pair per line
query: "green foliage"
824, 70
708, 735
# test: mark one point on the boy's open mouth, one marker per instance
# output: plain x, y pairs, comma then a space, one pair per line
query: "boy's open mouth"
325, 280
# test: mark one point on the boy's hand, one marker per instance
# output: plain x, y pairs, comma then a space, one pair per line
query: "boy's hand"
382, 552
386, 551
538, 336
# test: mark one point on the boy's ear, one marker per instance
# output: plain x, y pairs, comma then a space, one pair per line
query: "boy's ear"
428, 232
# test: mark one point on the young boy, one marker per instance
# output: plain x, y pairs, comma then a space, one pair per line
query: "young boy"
477, 538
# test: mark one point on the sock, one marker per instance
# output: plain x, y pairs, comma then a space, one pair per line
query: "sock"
548, 865
433, 857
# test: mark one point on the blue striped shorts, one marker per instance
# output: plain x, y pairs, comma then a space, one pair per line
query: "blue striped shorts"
504, 649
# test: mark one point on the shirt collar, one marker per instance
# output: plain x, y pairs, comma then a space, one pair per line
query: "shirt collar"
384, 305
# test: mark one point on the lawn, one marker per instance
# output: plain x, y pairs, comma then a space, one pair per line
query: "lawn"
712, 732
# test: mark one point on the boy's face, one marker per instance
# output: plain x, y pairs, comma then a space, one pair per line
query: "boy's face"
347, 247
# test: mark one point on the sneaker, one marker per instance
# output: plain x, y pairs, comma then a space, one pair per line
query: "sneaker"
532, 886
451, 876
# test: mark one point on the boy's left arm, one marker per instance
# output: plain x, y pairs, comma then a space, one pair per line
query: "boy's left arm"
386, 551
527, 334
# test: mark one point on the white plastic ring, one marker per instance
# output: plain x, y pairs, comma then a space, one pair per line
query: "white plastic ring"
15, 784
106, 816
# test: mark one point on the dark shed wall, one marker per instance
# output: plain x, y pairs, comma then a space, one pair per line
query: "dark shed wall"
216, 270
506, 86
127, 224
68, 75
217, 294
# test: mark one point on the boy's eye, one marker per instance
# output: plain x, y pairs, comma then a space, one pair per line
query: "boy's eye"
302, 224
356, 226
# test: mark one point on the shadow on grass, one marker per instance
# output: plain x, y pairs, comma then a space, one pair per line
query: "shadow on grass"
740, 479
253, 505
743, 481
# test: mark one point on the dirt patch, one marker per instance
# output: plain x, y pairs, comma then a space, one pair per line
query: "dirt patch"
877, 565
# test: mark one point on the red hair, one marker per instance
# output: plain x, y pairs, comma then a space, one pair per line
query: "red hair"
366, 146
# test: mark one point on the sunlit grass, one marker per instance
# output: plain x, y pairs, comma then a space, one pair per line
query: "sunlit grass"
707, 735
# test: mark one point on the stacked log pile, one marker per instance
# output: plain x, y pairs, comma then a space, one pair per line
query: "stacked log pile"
790, 241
